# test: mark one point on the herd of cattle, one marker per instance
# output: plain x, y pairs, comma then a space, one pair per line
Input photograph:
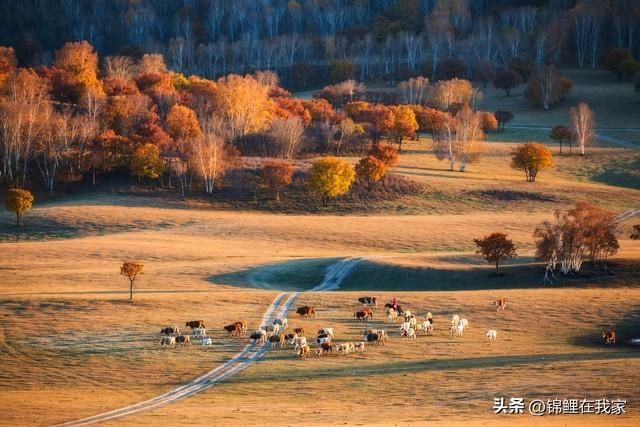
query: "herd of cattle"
279, 335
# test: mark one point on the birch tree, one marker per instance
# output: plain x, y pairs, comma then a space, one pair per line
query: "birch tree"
583, 124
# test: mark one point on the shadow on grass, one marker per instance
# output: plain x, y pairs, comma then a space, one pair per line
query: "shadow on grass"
626, 329
369, 275
351, 370
623, 173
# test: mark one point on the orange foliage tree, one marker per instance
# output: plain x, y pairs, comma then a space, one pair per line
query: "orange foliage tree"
385, 153
19, 200
277, 175
531, 157
404, 124
496, 248
330, 177
370, 169
131, 270
78, 63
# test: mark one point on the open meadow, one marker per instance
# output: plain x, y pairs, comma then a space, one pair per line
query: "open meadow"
73, 346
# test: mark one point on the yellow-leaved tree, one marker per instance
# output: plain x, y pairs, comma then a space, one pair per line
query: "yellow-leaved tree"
79, 62
330, 177
19, 200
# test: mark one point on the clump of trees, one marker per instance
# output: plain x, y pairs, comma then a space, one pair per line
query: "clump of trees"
496, 248
586, 231
547, 87
461, 139
19, 201
562, 134
330, 177
131, 270
531, 158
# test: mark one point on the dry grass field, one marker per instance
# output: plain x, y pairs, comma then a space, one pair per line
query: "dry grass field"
71, 345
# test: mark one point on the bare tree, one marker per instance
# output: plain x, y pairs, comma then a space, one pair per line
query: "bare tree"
287, 134
583, 124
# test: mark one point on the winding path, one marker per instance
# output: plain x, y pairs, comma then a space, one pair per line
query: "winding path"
250, 354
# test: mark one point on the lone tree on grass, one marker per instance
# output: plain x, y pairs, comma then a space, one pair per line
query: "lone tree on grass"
507, 80
496, 248
131, 270
503, 117
330, 177
19, 200
531, 157
583, 125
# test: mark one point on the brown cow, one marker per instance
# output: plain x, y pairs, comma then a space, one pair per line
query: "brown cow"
609, 337
306, 311
183, 340
276, 339
500, 303
244, 325
195, 324
233, 329
364, 314
299, 331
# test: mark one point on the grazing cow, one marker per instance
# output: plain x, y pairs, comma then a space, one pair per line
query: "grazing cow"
306, 311
327, 331
276, 339
259, 336
300, 342
183, 340
381, 332
282, 323
363, 315
371, 337
207, 342
170, 330
609, 337
168, 341
244, 325
271, 329
492, 334
359, 347
392, 315
455, 319
304, 351
368, 301
324, 348
195, 324
233, 329
299, 331
500, 303
409, 334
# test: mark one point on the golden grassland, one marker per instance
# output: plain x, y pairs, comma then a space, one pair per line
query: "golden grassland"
71, 345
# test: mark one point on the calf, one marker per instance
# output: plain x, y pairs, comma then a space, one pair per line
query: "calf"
359, 347
609, 337
276, 339
492, 334
183, 340
207, 342
168, 341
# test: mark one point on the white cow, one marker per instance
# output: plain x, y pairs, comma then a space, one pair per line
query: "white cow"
492, 334
425, 327
300, 342
405, 326
326, 331
409, 334
207, 342
271, 329
455, 319
198, 333
282, 323
359, 346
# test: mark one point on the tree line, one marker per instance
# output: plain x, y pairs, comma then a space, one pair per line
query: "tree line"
311, 41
